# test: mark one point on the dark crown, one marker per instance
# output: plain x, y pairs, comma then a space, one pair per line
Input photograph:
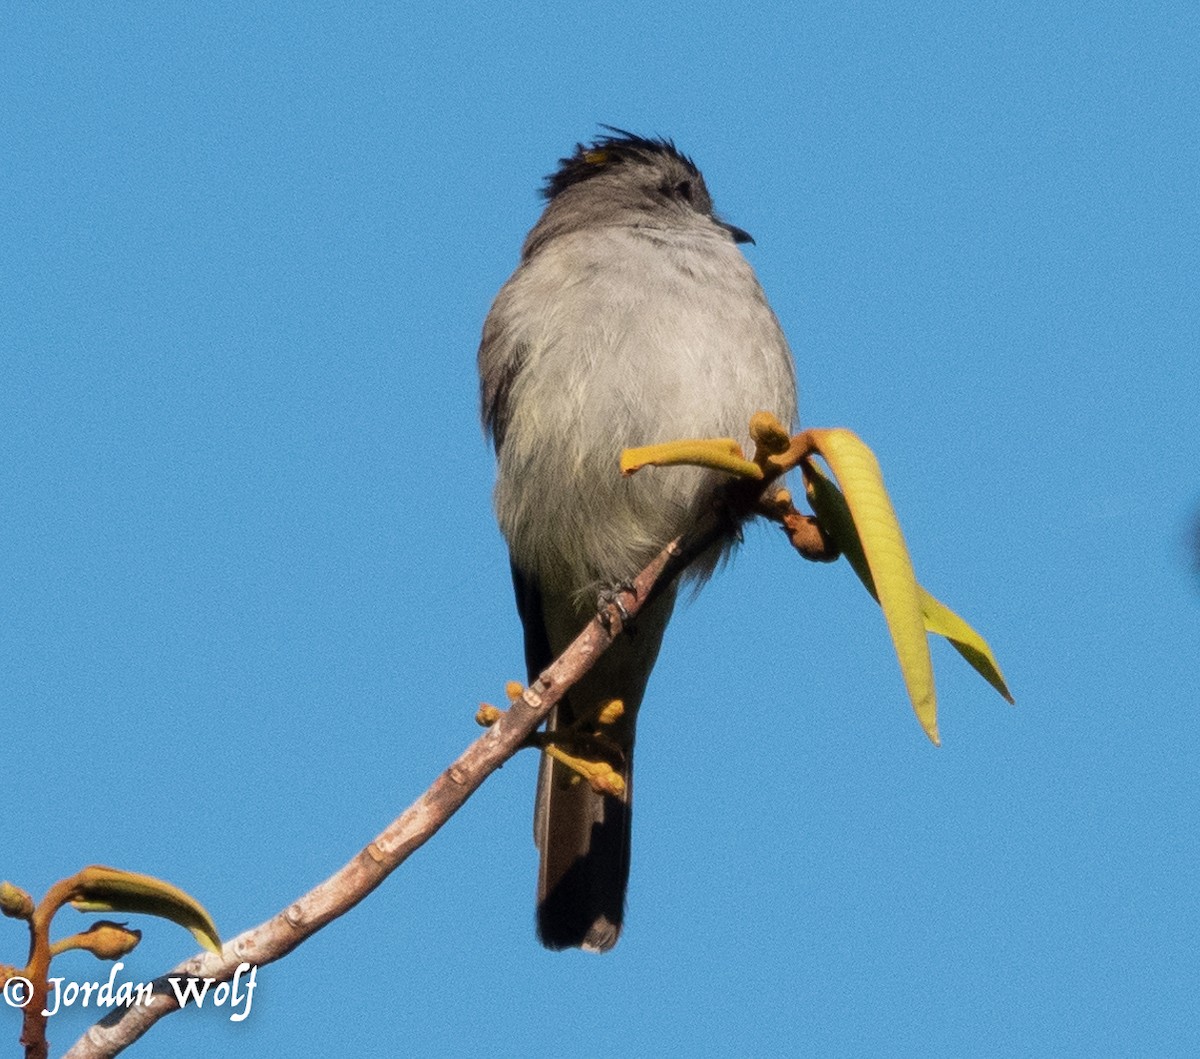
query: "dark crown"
606, 152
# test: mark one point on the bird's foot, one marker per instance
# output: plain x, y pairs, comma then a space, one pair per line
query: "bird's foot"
610, 599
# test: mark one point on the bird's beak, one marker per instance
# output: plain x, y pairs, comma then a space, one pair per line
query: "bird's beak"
740, 235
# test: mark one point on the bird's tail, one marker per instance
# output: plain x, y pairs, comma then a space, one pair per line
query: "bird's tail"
584, 838
583, 834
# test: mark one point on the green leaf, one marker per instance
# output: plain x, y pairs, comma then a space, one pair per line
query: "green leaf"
101, 889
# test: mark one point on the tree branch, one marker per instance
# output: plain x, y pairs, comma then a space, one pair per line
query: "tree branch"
344, 889
339, 893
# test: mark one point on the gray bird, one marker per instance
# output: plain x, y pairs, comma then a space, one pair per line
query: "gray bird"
632, 318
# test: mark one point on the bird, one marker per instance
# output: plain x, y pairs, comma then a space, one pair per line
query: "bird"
632, 317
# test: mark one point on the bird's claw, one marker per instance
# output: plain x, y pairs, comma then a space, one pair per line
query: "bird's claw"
611, 597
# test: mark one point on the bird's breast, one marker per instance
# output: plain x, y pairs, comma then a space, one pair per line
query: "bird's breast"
627, 342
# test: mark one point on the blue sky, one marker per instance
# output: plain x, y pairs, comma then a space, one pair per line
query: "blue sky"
252, 590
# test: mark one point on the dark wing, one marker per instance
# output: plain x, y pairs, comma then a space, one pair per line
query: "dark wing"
501, 357
529, 606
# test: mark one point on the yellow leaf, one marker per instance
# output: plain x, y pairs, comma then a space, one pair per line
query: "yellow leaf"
101, 889
834, 514
966, 641
884, 559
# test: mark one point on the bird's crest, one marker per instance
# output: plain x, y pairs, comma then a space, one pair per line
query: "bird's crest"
605, 152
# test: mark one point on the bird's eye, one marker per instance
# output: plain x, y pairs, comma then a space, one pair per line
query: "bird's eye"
684, 190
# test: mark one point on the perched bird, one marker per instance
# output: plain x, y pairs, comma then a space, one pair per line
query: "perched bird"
632, 318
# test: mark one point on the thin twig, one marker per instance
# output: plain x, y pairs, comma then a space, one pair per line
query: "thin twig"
339, 893
344, 889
